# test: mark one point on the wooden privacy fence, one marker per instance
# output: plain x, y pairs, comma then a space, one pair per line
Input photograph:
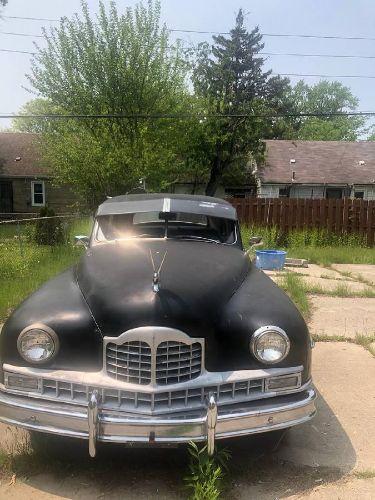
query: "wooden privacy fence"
338, 216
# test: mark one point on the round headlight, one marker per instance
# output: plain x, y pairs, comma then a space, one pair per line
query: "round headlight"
37, 344
269, 344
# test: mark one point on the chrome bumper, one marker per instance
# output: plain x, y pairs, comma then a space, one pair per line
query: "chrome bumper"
94, 423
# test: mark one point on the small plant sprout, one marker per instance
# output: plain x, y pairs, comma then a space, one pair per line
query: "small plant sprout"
206, 473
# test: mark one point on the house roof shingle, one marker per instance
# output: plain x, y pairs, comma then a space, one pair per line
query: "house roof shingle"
22, 146
319, 162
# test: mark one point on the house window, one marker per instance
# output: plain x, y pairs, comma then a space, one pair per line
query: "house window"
359, 195
246, 192
334, 193
38, 194
284, 192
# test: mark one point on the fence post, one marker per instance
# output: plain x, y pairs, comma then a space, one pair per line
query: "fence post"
19, 238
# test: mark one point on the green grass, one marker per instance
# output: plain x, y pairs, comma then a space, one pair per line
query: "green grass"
366, 341
341, 290
25, 268
317, 246
294, 286
365, 474
327, 256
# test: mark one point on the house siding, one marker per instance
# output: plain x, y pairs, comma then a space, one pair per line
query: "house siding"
60, 198
311, 192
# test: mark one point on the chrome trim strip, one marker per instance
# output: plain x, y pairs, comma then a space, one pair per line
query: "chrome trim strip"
114, 427
101, 378
211, 425
153, 336
166, 205
93, 422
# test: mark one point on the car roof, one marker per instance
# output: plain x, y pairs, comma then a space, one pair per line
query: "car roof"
165, 202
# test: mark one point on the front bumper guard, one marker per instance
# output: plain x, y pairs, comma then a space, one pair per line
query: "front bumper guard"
96, 424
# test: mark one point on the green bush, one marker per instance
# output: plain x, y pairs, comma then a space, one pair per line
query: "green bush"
49, 231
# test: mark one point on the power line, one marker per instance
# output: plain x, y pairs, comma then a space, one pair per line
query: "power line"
281, 74
282, 35
203, 32
187, 115
326, 76
288, 54
20, 34
315, 55
31, 18
17, 51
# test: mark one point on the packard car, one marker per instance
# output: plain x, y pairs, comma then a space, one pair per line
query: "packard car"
164, 333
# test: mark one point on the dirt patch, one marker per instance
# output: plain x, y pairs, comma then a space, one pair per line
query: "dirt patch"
342, 316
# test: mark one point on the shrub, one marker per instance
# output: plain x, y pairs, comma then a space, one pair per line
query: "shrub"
49, 231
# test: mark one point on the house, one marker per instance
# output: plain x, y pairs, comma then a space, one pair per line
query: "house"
317, 169
25, 183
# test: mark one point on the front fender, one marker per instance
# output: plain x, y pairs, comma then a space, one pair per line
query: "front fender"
260, 302
60, 305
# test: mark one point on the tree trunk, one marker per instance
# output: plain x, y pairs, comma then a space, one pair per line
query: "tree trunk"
213, 182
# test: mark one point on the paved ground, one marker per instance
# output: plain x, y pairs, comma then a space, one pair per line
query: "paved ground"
316, 460
342, 316
366, 271
352, 278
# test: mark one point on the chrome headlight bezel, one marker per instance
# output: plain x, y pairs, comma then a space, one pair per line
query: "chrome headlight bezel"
51, 335
261, 332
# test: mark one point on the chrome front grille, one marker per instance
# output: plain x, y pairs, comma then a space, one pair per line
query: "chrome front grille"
154, 402
129, 362
177, 362
153, 356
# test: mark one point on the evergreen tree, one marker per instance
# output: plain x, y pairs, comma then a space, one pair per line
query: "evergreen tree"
231, 79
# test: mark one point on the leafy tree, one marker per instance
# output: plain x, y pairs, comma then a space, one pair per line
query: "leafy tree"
113, 64
229, 79
325, 97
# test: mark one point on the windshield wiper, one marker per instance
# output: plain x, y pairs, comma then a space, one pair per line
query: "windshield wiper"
192, 237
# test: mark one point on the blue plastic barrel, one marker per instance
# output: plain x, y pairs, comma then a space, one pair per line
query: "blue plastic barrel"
270, 260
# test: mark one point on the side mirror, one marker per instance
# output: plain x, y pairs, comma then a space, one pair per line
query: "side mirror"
81, 241
255, 240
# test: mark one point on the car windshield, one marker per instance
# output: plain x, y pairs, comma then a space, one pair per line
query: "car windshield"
172, 225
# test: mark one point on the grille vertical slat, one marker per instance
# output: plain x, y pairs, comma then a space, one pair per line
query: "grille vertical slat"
170, 362
177, 362
129, 362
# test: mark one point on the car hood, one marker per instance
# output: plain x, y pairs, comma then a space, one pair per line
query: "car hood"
196, 280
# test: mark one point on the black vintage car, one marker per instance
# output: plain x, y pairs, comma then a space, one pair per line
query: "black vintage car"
164, 333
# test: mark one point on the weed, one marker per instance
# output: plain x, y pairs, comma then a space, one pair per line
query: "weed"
365, 474
294, 286
206, 474
366, 341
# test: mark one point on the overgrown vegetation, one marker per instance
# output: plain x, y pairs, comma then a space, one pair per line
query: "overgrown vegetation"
25, 265
318, 246
206, 474
294, 286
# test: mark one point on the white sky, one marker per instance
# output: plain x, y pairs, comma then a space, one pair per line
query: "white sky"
321, 17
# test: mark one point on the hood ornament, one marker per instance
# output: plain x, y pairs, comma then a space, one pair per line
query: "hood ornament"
156, 274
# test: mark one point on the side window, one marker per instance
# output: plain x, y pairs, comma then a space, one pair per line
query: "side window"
359, 195
37, 194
